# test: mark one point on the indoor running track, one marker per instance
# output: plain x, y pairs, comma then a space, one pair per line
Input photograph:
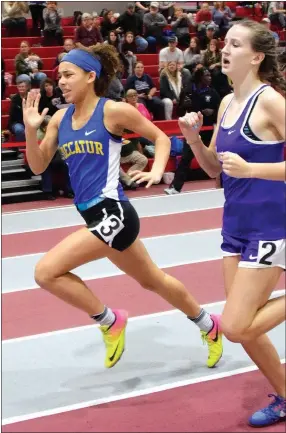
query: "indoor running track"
53, 375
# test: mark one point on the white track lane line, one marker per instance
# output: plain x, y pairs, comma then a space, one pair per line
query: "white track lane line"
275, 294
127, 395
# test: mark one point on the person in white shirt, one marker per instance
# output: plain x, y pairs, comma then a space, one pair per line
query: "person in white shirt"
171, 54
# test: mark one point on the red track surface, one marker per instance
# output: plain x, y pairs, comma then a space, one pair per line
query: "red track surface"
221, 405
43, 240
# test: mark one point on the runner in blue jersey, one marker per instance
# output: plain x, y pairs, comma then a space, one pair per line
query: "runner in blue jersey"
251, 124
89, 135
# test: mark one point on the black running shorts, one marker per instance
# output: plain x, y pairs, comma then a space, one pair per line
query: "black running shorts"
116, 223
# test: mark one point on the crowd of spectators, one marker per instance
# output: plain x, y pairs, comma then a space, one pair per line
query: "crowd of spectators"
189, 68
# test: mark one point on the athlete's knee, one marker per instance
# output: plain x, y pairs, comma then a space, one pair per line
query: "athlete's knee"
233, 332
43, 275
153, 281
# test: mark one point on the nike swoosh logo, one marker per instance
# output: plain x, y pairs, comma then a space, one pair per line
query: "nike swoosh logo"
90, 132
251, 257
111, 358
230, 132
216, 337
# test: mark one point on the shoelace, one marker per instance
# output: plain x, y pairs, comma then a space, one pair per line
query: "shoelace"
206, 339
271, 410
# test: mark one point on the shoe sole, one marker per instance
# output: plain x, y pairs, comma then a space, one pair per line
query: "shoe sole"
267, 425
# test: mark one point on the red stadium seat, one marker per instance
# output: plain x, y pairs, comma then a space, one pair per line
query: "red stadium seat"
4, 121
11, 53
5, 106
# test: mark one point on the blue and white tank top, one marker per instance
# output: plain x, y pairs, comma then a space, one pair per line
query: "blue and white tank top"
254, 208
92, 155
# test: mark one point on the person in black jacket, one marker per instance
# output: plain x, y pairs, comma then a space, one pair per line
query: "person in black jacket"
108, 23
51, 97
16, 123
130, 21
205, 99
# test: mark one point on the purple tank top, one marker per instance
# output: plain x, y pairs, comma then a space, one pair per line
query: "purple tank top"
254, 209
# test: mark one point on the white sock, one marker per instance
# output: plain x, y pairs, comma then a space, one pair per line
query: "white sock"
106, 318
203, 321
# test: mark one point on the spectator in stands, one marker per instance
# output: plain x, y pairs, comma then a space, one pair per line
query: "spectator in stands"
16, 124
51, 97
212, 56
96, 22
108, 23
53, 32
3, 83
28, 66
87, 35
68, 46
172, 81
171, 54
114, 40
146, 90
267, 23
210, 34
142, 8
181, 26
154, 23
212, 61
167, 10
129, 49
131, 153
116, 90
131, 98
205, 99
192, 54
222, 16
203, 18
130, 21
276, 14
36, 9
13, 18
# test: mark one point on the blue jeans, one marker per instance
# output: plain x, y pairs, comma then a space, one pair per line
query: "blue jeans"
18, 130
38, 78
152, 42
141, 44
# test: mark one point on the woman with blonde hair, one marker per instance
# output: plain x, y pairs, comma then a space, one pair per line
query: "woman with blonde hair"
172, 81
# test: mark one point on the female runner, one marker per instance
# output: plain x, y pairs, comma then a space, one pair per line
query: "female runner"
251, 123
88, 134
235, 166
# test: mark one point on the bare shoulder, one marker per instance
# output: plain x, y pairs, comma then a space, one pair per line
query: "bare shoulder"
270, 96
113, 107
58, 116
225, 101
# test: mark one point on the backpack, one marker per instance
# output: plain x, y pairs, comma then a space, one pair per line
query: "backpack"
176, 146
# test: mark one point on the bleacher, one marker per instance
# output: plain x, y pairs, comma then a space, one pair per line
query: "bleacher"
18, 184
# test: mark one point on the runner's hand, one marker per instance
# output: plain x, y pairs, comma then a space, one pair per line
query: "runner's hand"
31, 116
235, 166
190, 125
145, 176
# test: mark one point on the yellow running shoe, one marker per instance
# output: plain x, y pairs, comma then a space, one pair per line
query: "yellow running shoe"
114, 338
213, 339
